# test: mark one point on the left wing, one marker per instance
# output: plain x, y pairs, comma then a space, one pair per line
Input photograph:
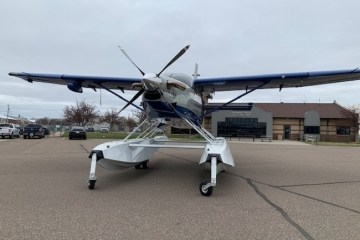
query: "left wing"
282, 80
81, 81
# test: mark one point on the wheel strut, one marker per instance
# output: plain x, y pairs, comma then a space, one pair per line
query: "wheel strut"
206, 188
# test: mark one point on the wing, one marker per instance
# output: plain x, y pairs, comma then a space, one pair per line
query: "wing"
81, 81
282, 80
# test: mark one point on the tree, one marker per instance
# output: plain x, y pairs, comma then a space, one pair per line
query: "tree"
130, 123
139, 116
112, 117
352, 115
81, 114
43, 121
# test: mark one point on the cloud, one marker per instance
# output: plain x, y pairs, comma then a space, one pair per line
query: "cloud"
228, 38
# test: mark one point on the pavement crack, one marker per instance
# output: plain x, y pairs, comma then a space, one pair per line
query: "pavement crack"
283, 188
315, 184
319, 200
284, 214
83, 147
299, 194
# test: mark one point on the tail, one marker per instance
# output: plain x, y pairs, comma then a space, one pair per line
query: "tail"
195, 75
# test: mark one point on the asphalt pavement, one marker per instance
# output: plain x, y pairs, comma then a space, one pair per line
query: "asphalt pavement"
278, 190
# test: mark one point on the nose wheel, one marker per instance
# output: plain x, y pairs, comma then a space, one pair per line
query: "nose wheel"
206, 189
91, 184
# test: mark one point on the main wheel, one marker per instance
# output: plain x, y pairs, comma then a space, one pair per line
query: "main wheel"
205, 192
145, 165
91, 184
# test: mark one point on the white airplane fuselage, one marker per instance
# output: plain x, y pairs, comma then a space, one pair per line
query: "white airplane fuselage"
169, 95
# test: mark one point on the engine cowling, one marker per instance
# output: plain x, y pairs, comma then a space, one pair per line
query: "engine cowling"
75, 87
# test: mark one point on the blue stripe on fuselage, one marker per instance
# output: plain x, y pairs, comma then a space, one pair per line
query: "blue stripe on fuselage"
160, 109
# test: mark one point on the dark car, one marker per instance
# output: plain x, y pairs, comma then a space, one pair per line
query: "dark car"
34, 130
90, 129
46, 131
77, 133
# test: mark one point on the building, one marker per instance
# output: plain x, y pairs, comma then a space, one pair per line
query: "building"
292, 121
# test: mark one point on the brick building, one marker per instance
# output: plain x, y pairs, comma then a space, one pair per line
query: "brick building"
292, 121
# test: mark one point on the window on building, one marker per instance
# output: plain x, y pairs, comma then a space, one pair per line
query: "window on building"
236, 127
311, 130
343, 130
207, 120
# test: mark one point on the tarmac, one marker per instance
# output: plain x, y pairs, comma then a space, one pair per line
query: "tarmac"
278, 190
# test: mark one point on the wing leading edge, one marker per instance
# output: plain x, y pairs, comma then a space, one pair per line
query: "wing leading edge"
281, 80
83, 81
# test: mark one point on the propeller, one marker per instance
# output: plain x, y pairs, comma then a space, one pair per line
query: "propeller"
147, 78
182, 51
138, 94
123, 51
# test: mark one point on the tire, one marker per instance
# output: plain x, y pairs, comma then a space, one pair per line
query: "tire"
91, 184
146, 165
11, 136
206, 192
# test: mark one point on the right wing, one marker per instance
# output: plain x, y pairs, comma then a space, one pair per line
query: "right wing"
282, 80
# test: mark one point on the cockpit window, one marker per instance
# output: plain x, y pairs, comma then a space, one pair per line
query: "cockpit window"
184, 78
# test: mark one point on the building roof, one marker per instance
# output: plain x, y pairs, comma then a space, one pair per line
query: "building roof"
298, 110
289, 110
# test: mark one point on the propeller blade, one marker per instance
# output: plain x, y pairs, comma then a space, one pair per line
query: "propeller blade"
182, 51
137, 95
123, 51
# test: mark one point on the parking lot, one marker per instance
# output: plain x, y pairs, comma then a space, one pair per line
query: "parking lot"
278, 190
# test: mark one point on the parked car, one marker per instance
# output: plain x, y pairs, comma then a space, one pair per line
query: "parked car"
104, 129
21, 129
90, 129
9, 130
34, 130
77, 133
46, 131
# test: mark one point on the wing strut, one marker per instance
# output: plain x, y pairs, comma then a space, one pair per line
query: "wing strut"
240, 96
107, 89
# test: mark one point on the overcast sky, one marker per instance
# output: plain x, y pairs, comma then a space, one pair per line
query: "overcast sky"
227, 38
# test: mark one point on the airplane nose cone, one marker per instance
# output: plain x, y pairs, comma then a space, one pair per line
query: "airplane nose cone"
151, 83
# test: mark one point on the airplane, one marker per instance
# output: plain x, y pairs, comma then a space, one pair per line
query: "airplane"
180, 98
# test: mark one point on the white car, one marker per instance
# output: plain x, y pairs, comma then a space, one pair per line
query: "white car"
9, 130
104, 129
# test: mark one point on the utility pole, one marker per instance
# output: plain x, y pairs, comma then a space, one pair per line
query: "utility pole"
7, 115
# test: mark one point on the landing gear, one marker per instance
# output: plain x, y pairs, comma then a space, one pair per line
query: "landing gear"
91, 184
205, 189
92, 177
143, 165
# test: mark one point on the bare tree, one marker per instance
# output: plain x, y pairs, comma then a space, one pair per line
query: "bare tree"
43, 121
81, 114
130, 123
352, 115
139, 116
112, 117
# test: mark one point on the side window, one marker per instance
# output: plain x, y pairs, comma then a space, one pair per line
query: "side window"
343, 130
